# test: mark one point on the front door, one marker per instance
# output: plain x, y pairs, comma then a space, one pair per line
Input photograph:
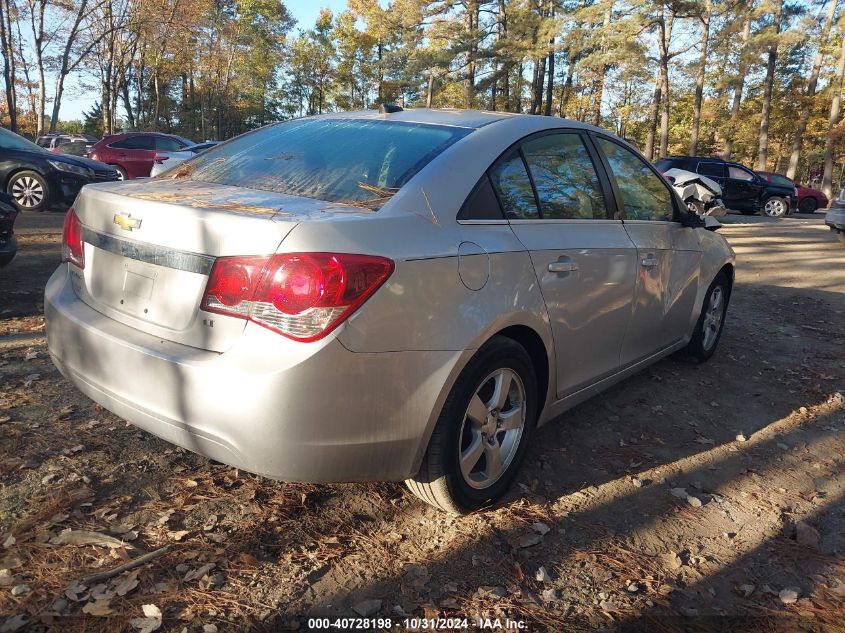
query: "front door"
668, 256
584, 260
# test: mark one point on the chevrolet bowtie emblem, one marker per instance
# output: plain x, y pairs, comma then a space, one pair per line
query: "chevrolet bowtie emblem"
126, 221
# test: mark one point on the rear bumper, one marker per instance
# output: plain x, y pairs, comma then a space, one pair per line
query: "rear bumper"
290, 411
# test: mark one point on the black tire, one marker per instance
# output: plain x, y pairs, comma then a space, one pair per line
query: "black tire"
808, 205
776, 207
440, 481
840, 235
121, 172
29, 191
701, 346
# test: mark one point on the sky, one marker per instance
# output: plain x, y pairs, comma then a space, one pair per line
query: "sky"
75, 100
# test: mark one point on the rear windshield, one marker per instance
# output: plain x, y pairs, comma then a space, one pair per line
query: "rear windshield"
356, 162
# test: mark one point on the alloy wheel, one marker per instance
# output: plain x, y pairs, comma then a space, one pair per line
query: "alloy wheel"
492, 428
27, 192
713, 317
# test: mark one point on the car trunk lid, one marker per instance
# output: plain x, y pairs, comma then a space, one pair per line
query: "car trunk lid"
149, 248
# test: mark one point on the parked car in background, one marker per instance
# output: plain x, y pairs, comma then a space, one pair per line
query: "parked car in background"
742, 189
8, 242
267, 308
835, 216
132, 154
166, 160
809, 199
52, 141
37, 179
74, 148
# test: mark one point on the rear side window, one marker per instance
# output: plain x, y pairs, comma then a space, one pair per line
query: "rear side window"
781, 180
482, 203
512, 184
716, 170
645, 196
564, 177
165, 144
359, 162
135, 142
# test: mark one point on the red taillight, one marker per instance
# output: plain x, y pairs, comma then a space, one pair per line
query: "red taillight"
73, 249
160, 158
303, 296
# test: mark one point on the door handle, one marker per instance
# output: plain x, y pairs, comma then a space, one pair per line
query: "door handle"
649, 261
562, 267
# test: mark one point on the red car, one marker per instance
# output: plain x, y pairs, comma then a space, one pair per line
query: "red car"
809, 199
133, 153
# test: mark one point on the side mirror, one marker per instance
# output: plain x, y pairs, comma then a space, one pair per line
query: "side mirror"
711, 223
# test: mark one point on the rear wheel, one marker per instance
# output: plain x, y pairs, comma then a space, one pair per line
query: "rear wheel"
29, 190
841, 236
483, 430
775, 207
708, 329
808, 205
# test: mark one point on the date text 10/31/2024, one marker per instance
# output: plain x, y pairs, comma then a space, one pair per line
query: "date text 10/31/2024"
417, 624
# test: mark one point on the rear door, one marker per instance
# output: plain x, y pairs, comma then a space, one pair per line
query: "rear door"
556, 202
135, 154
743, 189
715, 171
668, 254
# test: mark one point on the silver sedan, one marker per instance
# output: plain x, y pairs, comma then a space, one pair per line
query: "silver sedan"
402, 295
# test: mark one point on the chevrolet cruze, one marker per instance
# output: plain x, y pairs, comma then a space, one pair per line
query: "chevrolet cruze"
399, 295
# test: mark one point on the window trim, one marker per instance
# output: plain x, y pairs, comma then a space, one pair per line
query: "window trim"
676, 209
516, 147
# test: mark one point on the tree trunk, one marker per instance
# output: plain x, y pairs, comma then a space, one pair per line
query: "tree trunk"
806, 102
537, 86
430, 91
833, 121
550, 84
654, 112
699, 77
506, 75
763, 137
472, 12
665, 40
739, 83
8, 63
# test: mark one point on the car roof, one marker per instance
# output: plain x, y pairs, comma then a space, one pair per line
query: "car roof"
454, 117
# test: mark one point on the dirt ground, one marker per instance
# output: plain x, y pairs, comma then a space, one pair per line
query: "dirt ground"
690, 497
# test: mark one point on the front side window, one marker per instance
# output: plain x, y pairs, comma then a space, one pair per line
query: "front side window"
511, 182
564, 177
738, 173
352, 161
645, 196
